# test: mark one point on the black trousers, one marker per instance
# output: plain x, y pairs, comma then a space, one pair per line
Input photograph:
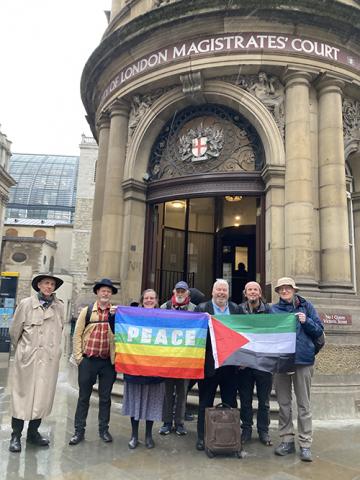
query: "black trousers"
17, 425
247, 378
225, 378
90, 369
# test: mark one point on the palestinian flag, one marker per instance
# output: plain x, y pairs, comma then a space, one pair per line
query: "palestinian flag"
160, 343
263, 341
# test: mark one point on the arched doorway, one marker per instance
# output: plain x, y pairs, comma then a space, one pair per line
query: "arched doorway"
205, 202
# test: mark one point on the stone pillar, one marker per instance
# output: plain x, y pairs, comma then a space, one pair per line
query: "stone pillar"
334, 226
274, 178
299, 254
103, 128
112, 214
116, 6
132, 253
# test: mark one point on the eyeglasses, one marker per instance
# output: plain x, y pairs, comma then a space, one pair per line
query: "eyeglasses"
285, 287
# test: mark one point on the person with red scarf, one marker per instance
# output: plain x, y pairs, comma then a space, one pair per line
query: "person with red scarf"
176, 388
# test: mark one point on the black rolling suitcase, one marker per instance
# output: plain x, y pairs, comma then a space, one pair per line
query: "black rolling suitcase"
222, 431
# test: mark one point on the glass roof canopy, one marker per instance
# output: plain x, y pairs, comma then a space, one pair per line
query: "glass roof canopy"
45, 189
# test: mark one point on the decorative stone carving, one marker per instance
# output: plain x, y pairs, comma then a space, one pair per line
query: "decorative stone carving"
205, 139
268, 89
351, 119
201, 144
191, 83
140, 105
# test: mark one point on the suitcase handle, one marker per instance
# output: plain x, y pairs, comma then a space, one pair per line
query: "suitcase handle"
222, 405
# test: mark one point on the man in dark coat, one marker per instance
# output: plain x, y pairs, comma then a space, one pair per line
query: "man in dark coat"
248, 377
224, 377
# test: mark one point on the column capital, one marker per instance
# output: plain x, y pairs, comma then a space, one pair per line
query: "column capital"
329, 84
297, 77
273, 176
119, 108
103, 120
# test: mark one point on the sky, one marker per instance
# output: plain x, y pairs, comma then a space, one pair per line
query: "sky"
44, 47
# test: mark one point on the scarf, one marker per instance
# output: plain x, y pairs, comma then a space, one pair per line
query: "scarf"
176, 305
45, 302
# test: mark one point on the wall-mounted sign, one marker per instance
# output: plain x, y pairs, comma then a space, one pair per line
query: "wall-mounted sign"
336, 318
233, 43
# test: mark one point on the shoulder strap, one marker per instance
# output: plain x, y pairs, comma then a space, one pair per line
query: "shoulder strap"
88, 314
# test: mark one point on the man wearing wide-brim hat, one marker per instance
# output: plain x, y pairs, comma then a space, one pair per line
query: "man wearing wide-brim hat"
94, 353
35, 333
308, 328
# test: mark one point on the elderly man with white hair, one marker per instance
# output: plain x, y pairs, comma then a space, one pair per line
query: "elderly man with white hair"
308, 329
224, 377
249, 377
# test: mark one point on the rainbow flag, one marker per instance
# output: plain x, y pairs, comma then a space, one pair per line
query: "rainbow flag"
161, 343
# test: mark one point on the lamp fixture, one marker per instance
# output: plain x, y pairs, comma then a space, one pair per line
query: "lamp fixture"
177, 204
233, 198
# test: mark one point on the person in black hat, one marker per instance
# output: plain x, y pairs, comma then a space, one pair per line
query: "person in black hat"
94, 353
35, 332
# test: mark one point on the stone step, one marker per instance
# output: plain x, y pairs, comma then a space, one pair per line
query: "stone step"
193, 397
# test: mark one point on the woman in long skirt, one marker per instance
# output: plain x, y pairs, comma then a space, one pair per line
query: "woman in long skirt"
143, 396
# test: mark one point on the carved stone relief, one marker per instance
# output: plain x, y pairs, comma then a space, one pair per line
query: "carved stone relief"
205, 139
351, 120
268, 89
140, 104
160, 3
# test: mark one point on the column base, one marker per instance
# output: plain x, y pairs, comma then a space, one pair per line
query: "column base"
337, 287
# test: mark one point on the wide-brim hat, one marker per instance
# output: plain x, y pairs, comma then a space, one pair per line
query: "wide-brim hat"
105, 282
41, 276
286, 281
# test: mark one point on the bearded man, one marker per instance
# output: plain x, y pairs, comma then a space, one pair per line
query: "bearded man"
176, 388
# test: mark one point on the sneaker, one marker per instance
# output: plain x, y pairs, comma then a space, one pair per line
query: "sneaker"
165, 429
180, 429
285, 448
305, 454
189, 417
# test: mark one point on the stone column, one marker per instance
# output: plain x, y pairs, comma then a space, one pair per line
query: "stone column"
274, 178
116, 6
112, 215
132, 253
103, 128
334, 226
299, 254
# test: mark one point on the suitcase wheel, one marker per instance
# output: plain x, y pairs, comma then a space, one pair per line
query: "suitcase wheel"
209, 453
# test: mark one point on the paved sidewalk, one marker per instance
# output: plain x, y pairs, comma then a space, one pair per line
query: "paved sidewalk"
336, 450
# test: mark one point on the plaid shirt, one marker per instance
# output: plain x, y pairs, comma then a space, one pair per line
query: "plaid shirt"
98, 344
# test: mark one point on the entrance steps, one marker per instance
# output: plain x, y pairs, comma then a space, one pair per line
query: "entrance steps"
193, 398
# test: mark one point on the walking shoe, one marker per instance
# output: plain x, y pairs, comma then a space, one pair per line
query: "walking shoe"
149, 442
15, 443
200, 444
37, 439
245, 435
106, 436
76, 438
189, 417
305, 454
165, 429
285, 448
180, 429
133, 443
265, 439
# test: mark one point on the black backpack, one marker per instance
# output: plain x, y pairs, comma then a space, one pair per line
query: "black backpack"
88, 315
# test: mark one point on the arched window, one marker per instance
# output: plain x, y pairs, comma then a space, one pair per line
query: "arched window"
39, 234
11, 232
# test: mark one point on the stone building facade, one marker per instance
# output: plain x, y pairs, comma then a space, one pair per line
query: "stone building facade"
229, 137
6, 180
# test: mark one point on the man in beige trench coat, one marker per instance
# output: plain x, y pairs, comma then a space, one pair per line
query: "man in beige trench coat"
35, 332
